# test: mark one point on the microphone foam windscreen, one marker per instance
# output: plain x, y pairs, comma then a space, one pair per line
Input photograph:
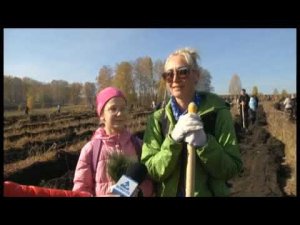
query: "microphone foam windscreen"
118, 164
137, 172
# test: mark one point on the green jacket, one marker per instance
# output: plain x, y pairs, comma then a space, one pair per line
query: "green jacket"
216, 162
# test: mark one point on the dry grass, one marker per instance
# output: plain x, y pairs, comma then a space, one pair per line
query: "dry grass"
284, 130
40, 138
41, 157
52, 127
76, 147
19, 165
71, 108
41, 131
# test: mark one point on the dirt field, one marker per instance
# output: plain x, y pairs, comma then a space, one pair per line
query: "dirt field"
43, 150
262, 154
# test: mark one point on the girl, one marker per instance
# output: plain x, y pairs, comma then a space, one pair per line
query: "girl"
110, 137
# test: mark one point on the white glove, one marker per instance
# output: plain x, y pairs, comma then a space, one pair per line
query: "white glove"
196, 138
186, 123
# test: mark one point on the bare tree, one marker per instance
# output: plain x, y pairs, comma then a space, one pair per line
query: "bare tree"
284, 94
144, 79
255, 91
204, 83
33, 92
161, 90
75, 90
275, 92
60, 91
104, 78
123, 80
89, 93
9, 92
43, 96
235, 85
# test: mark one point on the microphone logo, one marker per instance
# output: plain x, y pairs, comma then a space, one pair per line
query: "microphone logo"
125, 186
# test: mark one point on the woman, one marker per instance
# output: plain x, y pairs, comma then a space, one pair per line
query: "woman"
210, 130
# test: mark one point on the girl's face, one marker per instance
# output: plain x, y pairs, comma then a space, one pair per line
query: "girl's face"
114, 115
181, 79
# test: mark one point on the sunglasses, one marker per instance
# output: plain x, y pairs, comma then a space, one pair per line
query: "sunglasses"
181, 72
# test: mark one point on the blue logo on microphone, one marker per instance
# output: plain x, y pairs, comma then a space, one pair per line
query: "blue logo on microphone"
125, 185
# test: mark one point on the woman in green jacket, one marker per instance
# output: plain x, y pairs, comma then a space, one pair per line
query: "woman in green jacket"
210, 130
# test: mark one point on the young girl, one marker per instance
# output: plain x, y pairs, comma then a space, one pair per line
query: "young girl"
110, 137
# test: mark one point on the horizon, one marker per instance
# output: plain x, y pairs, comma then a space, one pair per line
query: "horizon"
262, 57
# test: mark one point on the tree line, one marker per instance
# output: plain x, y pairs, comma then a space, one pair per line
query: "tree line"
235, 87
19, 92
140, 81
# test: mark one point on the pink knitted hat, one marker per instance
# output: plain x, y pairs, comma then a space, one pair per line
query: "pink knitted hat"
105, 95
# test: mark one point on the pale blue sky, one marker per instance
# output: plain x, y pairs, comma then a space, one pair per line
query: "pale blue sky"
262, 57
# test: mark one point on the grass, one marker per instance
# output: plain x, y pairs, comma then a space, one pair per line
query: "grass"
284, 130
18, 123
19, 165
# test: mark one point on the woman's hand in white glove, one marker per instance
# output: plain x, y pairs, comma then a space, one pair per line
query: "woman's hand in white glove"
186, 124
196, 138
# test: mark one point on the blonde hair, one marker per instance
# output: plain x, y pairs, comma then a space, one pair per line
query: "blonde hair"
191, 55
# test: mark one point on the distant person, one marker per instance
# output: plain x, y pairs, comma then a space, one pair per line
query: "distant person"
58, 108
287, 104
253, 105
256, 99
244, 107
294, 106
112, 136
26, 110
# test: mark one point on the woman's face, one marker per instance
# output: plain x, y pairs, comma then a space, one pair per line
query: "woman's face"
181, 79
114, 115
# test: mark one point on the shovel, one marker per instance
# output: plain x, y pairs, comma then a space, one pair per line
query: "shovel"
191, 162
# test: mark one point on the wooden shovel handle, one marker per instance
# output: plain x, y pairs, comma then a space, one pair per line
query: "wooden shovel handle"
191, 161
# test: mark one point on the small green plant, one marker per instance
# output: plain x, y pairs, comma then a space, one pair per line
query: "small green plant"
118, 164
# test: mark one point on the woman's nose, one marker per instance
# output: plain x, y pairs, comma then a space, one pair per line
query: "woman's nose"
175, 76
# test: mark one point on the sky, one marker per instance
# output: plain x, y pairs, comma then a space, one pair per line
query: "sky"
262, 57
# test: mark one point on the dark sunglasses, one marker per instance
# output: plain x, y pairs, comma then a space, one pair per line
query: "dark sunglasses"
181, 72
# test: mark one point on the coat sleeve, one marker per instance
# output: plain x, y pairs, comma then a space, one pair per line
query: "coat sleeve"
83, 177
221, 156
12, 189
159, 154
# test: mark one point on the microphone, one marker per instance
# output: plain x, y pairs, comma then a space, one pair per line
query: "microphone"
127, 186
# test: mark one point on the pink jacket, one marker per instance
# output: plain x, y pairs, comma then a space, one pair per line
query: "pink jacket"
83, 178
